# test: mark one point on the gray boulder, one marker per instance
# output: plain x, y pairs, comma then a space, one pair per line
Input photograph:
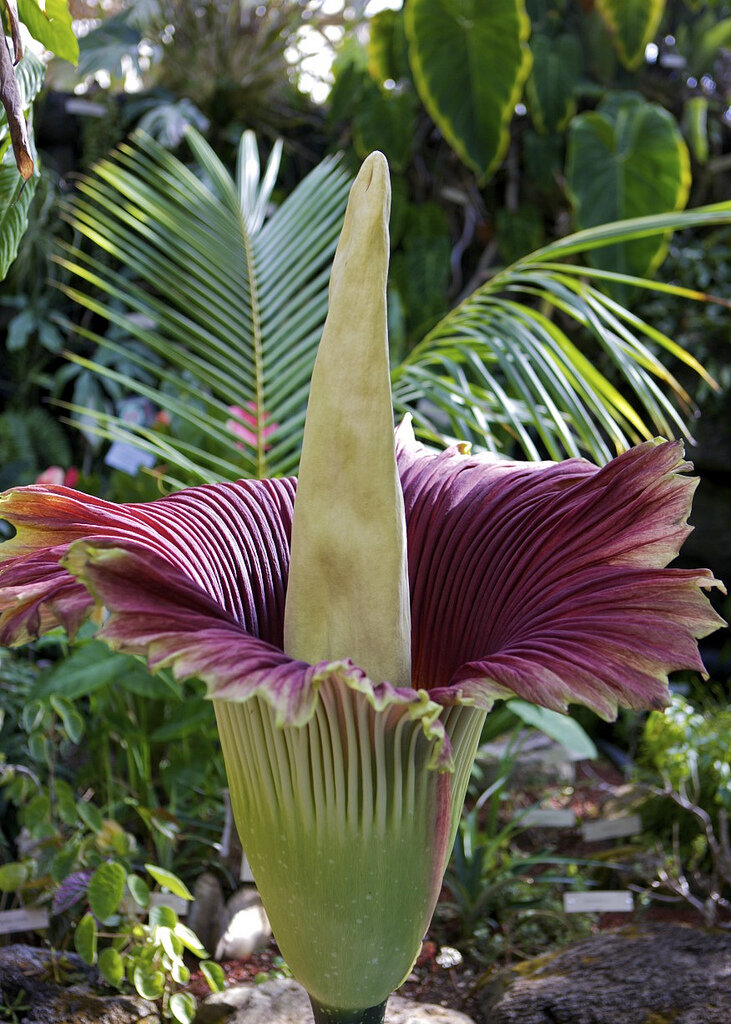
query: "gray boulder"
286, 1002
644, 974
28, 982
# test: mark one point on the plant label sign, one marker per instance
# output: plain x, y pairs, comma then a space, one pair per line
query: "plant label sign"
549, 817
609, 900
23, 920
611, 828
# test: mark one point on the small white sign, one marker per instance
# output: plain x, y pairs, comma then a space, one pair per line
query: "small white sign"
611, 828
128, 458
23, 920
598, 900
549, 817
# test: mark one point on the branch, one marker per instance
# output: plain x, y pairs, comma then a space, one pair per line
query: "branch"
10, 95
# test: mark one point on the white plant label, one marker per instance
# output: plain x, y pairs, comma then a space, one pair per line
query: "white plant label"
22, 921
611, 828
610, 900
549, 817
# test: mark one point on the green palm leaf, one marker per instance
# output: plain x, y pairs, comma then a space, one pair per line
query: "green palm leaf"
541, 359
227, 299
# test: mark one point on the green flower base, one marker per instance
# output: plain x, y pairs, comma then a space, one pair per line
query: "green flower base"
327, 1015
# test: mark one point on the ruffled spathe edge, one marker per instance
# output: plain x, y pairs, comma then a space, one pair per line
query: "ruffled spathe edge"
549, 581
155, 612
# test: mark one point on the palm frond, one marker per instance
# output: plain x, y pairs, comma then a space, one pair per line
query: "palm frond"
228, 291
571, 369
228, 299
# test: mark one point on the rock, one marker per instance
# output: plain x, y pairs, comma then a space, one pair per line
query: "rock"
246, 926
286, 1002
28, 981
646, 974
207, 915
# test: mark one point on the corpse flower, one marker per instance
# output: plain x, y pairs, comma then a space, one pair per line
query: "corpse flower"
353, 641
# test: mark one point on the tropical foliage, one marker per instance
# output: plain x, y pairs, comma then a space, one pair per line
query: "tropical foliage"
228, 332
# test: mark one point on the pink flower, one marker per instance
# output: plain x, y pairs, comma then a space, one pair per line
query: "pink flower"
248, 415
61, 477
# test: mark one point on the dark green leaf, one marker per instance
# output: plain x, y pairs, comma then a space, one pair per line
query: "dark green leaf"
632, 25
627, 159
470, 61
111, 966
169, 881
106, 888
13, 876
85, 939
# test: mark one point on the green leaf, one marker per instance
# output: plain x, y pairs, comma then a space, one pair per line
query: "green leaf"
72, 721
562, 728
470, 60
13, 876
632, 25
189, 939
66, 803
169, 881
85, 939
37, 812
627, 159
162, 916
214, 975
106, 888
14, 205
86, 669
111, 966
169, 941
193, 715
183, 1007
180, 972
90, 815
40, 748
386, 120
139, 890
551, 88
149, 984
237, 297
387, 48
51, 26
695, 123
500, 370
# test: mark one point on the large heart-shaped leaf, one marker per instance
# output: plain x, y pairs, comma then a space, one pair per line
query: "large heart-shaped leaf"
627, 159
51, 25
470, 60
632, 25
550, 90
